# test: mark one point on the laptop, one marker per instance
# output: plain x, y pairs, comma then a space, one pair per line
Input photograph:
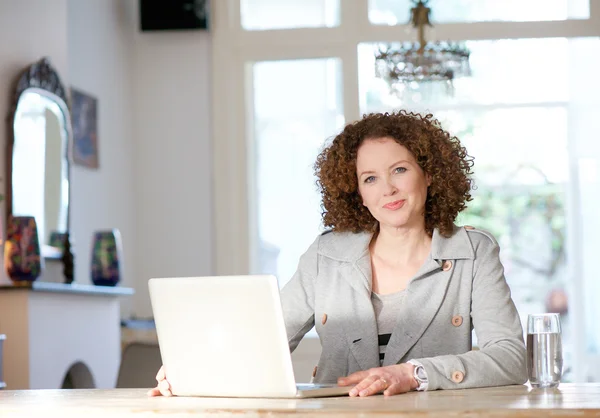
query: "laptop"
225, 337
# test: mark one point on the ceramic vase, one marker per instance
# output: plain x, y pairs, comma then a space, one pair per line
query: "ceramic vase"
106, 258
22, 250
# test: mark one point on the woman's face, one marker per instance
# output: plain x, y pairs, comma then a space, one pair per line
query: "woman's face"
392, 185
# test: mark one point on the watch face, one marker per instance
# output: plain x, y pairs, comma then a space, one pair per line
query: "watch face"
420, 373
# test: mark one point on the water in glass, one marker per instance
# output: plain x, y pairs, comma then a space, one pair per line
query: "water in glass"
544, 351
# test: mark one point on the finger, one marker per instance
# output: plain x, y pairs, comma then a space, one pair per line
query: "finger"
161, 374
165, 388
397, 388
353, 378
362, 385
154, 392
376, 386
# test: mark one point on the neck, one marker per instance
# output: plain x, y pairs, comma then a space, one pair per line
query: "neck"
401, 245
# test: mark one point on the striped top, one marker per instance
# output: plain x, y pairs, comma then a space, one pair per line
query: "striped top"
386, 309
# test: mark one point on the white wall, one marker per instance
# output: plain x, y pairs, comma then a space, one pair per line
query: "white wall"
154, 182
100, 49
171, 109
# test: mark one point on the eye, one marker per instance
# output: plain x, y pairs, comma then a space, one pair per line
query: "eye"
370, 179
399, 170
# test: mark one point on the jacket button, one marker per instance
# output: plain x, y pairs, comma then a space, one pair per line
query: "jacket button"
447, 265
314, 373
324, 319
469, 227
457, 320
457, 376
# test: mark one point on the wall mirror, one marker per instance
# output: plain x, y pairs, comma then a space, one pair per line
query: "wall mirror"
38, 159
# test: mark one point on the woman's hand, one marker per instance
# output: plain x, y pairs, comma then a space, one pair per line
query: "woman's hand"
392, 380
162, 387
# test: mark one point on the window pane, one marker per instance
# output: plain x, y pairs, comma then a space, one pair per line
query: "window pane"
503, 71
583, 133
521, 176
297, 105
397, 12
289, 14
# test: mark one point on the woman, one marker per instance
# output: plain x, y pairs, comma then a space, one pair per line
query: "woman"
394, 288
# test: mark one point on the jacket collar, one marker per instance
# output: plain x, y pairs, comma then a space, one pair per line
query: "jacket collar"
350, 247
345, 246
457, 246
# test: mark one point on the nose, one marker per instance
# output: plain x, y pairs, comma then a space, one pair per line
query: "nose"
390, 189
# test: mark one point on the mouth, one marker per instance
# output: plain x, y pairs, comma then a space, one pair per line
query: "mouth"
397, 204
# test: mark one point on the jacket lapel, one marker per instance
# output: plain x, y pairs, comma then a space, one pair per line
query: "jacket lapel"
361, 328
352, 251
426, 292
423, 299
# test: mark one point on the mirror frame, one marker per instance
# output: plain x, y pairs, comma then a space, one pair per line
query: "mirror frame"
42, 78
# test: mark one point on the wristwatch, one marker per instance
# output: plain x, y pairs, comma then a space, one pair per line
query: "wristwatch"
420, 375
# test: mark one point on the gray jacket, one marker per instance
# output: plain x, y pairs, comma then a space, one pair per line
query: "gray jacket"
460, 286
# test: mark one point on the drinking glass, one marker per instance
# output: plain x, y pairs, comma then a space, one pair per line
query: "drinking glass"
544, 350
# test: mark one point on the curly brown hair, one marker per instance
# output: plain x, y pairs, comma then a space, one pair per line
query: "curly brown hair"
437, 152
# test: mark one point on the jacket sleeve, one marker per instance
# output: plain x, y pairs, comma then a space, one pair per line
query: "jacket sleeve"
501, 359
298, 297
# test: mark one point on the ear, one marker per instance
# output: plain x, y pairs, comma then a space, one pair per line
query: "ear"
429, 179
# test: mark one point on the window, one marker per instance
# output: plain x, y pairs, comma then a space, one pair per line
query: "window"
289, 14
397, 12
504, 71
527, 114
514, 122
291, 122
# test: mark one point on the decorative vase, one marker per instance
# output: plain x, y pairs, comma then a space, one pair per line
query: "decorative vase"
22, 250
106, 258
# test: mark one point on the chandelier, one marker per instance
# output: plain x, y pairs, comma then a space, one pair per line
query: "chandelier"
421, 61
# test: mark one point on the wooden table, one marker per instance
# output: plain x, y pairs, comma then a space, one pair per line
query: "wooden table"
581, 400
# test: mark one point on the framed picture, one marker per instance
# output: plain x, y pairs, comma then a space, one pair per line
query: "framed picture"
84, 118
